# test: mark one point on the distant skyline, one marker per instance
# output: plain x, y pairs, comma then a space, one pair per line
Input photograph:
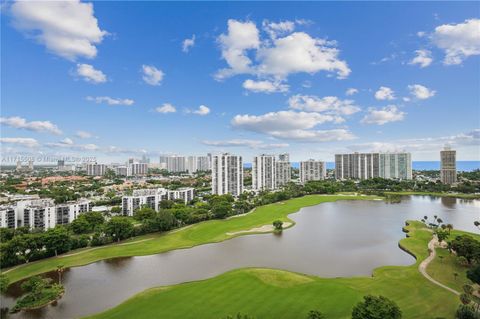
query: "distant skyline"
120, 79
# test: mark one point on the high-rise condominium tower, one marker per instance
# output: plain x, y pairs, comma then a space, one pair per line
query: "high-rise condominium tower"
284, 170
448, 166
264, 172
312, 170
227, 174
370, 165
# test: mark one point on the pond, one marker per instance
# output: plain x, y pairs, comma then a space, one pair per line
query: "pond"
340, 239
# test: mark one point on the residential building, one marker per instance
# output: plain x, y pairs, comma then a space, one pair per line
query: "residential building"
176, 164
94, 169
136, 169
283, 170
60, 165
371, 165
30, 165
19, 166
204, 163
227, 174
151, 197
448, 166
191, 165
312, 170
264, 172
122, 171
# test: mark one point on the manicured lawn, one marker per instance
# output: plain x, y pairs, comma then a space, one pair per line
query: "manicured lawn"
201, 233
442, 269
275, 294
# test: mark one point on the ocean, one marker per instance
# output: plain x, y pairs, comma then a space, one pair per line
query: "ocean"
466, 166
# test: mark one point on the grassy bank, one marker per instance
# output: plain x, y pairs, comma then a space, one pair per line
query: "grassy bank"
453, 195
445, 265
197, 234
268, 293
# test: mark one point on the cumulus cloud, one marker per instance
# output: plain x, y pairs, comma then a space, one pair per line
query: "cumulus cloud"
351, 91
83, 134
67, 28
69, 144
152, 75
20, 141
254, 144
265, 86
277, 57
384, 115
292, 125
37, 126
327, 104
423, 58
187, 44
421, 92
384, 93
110, 100
90, 74
202, 110
458, 41
275, 29
166, 108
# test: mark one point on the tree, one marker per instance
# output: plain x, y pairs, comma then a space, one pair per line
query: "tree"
221, 209
465, 299
60, 270
315, 314
116, 210
374, 307
80, 225
166, 204
278, 225
165, 221
468, 247
477, 224
441, 235
57, 240
144, 213
119, 228
465, 312
4, 282
34, 285
474, 274
94, 218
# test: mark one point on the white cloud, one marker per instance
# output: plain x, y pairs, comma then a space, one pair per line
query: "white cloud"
275, 29
292, 125
90, 74
423, 58
152, 75
384, 93
166, 108
351, 91
241, 36
384, 115
254, 144
188, 43
67, 141
327, 104
458, 41
20, 141
278, 57
202, 110
110, 100
83, 134
66, 28
69, 144
421, 92
265, 86
37, 126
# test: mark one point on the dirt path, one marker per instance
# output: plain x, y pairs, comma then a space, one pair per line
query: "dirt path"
262, 229
424, 264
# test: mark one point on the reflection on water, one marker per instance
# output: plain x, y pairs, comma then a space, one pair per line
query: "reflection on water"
346, 238
448, 202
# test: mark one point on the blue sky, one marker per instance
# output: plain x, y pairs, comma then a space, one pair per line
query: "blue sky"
253, 78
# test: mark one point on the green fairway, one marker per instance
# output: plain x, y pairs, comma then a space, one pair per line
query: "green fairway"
268, 293
201, 233
443, 267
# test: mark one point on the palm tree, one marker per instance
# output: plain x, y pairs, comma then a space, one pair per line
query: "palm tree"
449, 227
60, 270
477, 224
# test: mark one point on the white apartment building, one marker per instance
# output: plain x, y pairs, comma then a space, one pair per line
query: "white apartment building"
152, 197
203, 163
122, 171
176, 164
136, 169
264, 172
227, 174
94, 169
448, 166
312, 170
42, 213
370, 165
191, 164
283, 171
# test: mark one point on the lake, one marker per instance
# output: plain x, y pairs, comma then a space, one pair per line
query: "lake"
339, 239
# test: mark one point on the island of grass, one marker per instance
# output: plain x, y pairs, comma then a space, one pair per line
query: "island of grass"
269, 293
197, 234
39, 292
